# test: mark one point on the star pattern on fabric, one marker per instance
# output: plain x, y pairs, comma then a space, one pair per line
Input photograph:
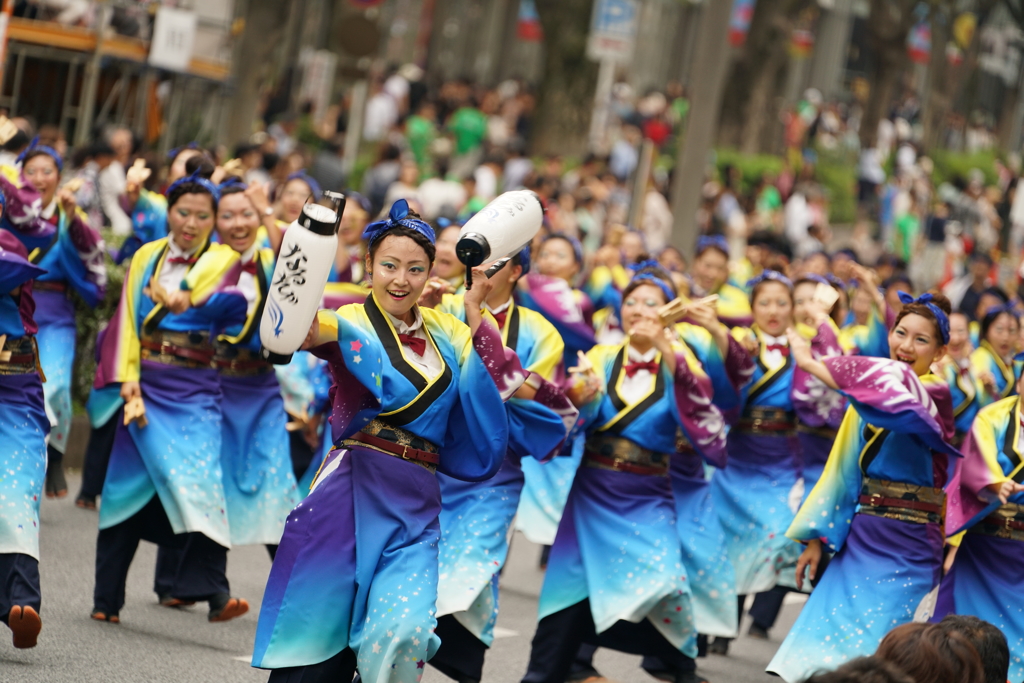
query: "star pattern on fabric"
356, 346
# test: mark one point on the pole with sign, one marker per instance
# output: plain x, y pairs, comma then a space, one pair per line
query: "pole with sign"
612, 36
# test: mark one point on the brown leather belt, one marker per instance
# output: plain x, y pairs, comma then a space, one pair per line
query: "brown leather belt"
904, 502
823, 432
398, 442
1006, 522
608, 452
50, 286
234, 361
24, 357
767, 420
186, 349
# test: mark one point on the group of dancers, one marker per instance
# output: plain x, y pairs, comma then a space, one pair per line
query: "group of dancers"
680, 442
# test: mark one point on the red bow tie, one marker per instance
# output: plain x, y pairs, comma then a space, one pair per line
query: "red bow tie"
633, 368
187, 260
416, 344
500, 318
781, 348
249, 267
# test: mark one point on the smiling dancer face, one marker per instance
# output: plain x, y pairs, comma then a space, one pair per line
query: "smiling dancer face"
237, 221
915, 339
773, 307
41, 170
190, 219
399, 265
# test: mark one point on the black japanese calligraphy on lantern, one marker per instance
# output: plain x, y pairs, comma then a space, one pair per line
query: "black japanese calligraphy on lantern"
293, 275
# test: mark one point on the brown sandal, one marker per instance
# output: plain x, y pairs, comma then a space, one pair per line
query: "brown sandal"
25, 624
235, 607
102, 616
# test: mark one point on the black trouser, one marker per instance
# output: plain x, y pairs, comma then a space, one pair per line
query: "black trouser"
97, 455
559, 636
54, 458
767, 606
461, 655
19, 583
301, 452
338, 669
199, 575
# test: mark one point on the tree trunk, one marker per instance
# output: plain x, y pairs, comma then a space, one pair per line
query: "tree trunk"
710, 66
570, 77
940, 78
888, 25
264, 24
761, 107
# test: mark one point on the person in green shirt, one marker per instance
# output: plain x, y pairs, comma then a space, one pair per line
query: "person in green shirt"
421, 131
908, 226
469, 126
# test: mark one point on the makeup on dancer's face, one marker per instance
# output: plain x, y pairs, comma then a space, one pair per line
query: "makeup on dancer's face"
191, 220
1002, 334
803, 294
557, 259
642, 304
773, 308
711, 269
400, 269
41, 170
447, 265
293, 198
914, 341
237, 221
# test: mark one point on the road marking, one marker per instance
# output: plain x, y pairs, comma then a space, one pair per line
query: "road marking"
500, 632
247, 659
793, 598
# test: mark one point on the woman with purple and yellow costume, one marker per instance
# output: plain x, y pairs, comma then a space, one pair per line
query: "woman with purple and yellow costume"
988, 503
993, 362
23, 428
73, 261
754, 494
955, 368
23, 209
259, 485
354, 582
476, 516
550, 292
710, 275
879, 503
621, 503
164, 479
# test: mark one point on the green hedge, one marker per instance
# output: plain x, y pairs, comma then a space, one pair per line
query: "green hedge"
950, 165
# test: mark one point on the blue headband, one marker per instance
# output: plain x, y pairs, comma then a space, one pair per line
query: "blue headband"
34, 146
233, 181
773, 275
940, 315
314, 186
650, 278
1008, 307
577, 248
644, 265
816, 278
397, 217
718, 242
199, 180
835, 281
524, 259
444, 222
173, 154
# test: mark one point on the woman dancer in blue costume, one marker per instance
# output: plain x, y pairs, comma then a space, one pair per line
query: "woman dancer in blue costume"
259, 485
164, 481
710, 276
354, 582
987, 569
621, 503
753, 494
23, 426
475, 516
550, 291
955, 368
992, 362
879, 503
73, 261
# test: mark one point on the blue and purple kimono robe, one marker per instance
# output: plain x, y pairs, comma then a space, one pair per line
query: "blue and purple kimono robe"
476, 516
23, 422
896, 432
358, 565
632, 517
259, 484
177, 456
988, 571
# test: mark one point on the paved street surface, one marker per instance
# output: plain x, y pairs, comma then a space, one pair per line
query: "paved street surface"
155, 644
